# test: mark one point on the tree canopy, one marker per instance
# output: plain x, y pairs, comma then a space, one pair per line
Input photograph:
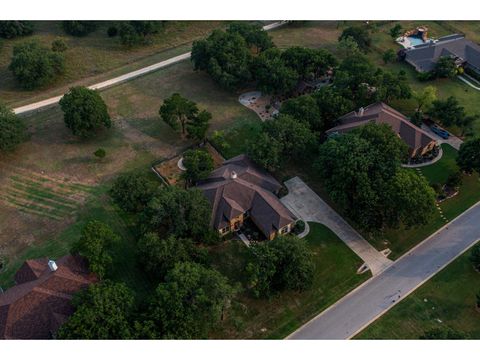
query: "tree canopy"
95, 244
198, 125
361, 171
183, 213
449, 112
133, 191
396, 31
284, 263
253, 34
137, 32
199, 165
468, 159
308, 63
359, 34
34, 65
84, 111
12, 129
79, 27
102, 312
305, 109
190, 302
176, 110
10, 29
445, 67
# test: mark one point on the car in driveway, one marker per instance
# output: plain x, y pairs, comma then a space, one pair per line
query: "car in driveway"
444, 134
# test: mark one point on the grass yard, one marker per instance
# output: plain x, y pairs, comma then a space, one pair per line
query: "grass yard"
96, 57
450, 298
275, 318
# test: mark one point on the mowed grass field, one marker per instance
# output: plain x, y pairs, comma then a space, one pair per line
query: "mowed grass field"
445, 301
275, 318
97, 57
48, 184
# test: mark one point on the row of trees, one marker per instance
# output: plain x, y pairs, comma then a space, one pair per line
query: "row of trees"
12, 130
11, 29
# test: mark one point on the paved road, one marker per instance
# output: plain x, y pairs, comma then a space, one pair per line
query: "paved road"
365, 304
304, 202
119, 79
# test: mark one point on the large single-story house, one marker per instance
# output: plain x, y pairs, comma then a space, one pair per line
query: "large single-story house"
240, 189
40, 302
418, 141
425, 56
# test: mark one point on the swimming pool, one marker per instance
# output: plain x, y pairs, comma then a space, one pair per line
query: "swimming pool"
414, 41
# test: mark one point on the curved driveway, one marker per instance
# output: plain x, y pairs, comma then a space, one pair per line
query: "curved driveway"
369, 301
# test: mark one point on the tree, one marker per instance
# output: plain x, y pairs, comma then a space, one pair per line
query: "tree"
253, 34
361, 172
468, 158
475, 257
183, 213
359, 34
176, 110
94, 244
273, 75
295, 137
226, 57
308, 63
132, 191
396, 31
79, 28
389, 56
265, 151
443, 333
284, 263
159, 255
445, 67
198, 164
137, 32
112, 31
100, 153
347, 47
12, 29
332, 105
190, 302
103, 311
393, 86
449, 111
59, 45
34, 65
12, 130
305, 109
197, 125
425, 98
84, 111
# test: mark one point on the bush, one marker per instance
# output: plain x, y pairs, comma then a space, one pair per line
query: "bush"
299, 227
12, 29
112, 31
34, 65
59, 45
79, 28
454, 180
100, 153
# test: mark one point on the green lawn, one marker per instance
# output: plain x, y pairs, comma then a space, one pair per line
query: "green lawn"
335, 276
450, 298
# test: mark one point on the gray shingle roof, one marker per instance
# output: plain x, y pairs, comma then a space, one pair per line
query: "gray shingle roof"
424, 57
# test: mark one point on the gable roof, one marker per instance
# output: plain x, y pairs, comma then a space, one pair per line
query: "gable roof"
381, 113
424, 57
240, 185
41, 301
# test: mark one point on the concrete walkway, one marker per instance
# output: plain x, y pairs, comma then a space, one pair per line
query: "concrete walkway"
365, 304
125, 77
468, 82
427, 163
306, 204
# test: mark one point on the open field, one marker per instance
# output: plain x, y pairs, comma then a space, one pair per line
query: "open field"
446, 300
335, 276
49, 180
97, 57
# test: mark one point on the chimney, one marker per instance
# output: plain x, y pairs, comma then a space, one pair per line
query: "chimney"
361, 111
233, 175
52, 265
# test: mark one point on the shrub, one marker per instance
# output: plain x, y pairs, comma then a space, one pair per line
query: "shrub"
454, 180
299, 227
112, 31
59, 45
425, 76
100, 153
34, 65
12, 29
12, 129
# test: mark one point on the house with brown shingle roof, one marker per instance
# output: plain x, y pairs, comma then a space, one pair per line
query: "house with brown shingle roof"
240, 189
419, 142
40, 302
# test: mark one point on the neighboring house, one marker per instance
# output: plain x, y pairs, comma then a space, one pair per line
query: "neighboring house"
40, 302
418, 141
240, 189
425, 56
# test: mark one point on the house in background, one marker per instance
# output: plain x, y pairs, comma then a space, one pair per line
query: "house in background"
419, 142
240, 190
40, 302
424, 57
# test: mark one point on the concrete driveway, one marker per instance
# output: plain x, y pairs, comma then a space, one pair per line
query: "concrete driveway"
307, 205
368, 302
453, 141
